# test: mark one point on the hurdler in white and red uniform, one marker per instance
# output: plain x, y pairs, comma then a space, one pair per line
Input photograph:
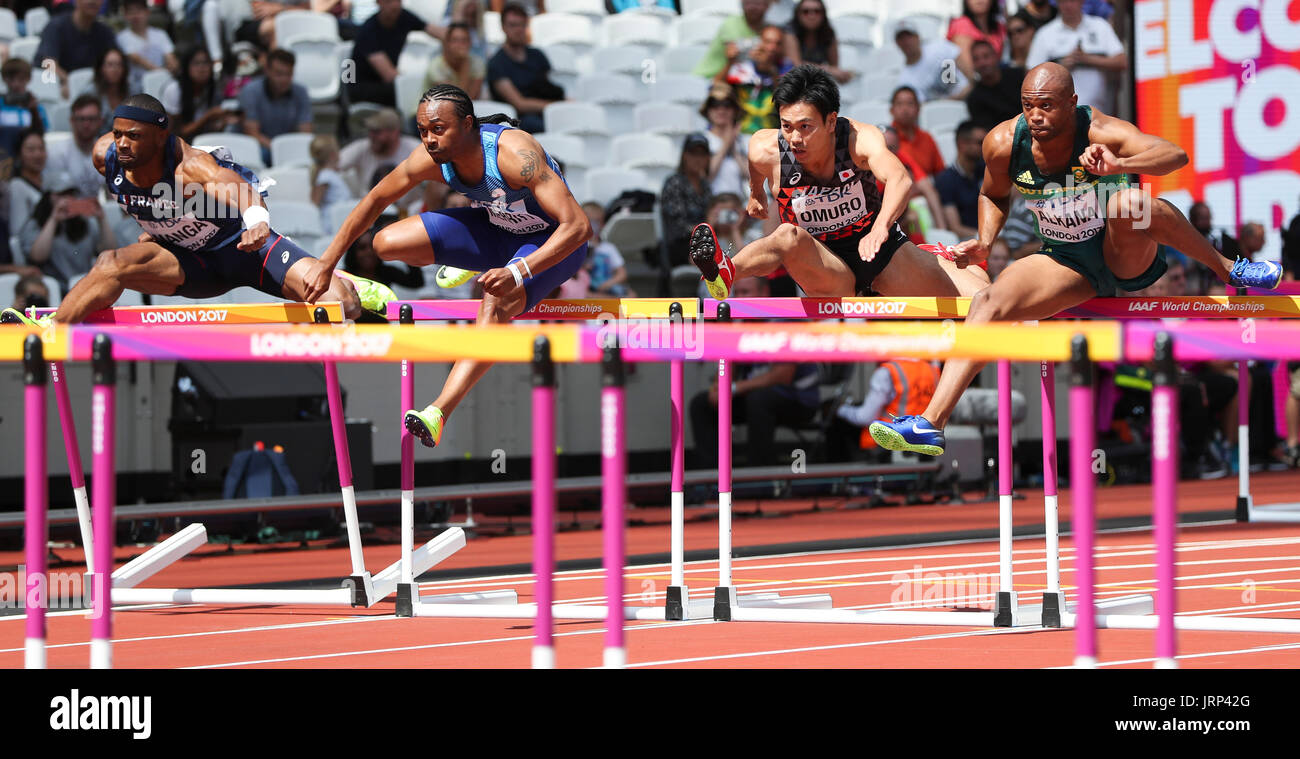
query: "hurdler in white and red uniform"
839, 233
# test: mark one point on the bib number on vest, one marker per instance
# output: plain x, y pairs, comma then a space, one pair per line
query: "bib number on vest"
513, 217
826, 209
187, 232
1067, 218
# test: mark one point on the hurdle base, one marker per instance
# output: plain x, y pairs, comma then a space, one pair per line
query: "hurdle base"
406, 593
724, 600
363, 590
675, 602
34, 653
159, 557
543, 657
1005, 613
1243, 508
1065, 614
1166, 663
1275, 512
484, 597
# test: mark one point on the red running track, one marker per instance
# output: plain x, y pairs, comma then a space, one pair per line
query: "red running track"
1229, 569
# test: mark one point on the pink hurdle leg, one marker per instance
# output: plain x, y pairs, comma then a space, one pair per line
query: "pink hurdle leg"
407, 591
677, 599
614, 499
35, 496
724, 595
1053, 598
1005, 613
1243, 441
75, 471
103, 416
359, 579
1164, 480
1082, 488
544, 502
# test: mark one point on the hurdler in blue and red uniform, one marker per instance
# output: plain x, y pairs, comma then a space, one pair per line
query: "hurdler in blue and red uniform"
206, 230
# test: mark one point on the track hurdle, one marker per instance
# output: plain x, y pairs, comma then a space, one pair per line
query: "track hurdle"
360, 589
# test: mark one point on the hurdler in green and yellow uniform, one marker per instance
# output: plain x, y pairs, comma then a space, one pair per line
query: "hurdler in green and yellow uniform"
1100, 235
1069, 210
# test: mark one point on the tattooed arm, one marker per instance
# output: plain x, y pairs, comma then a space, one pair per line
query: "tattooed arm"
523, 164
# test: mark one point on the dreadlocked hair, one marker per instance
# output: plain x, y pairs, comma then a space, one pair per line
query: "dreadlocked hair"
463, 105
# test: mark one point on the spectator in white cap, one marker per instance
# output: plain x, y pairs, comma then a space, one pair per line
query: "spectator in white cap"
383, 148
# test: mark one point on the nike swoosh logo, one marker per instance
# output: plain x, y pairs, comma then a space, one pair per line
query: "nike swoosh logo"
918, 430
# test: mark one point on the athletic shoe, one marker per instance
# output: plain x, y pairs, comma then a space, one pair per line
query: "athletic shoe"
14, 316
909, 433
425, 425
450, 276
939, 249
719, 273
373, 295
1266, 275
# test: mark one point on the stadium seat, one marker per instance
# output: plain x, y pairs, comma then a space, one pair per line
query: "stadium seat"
8, 284
59, 115
592, 9
721, 8
856, 30
79, 81
568, 117
942, 115
885, 59
291, 149
681, 59
292, 25
245, 149
335, 215
672, 120
25, 48
570, 150
493, 34
416, 54
653, 154
873, 87
874, 112
46, 91
629, 60
698, 28
946, 139
35, 20
837, 8
605, 184
685, 89
56, 138
154, 82
566, 66
291, 183
615, 93
428, 11
563, 29
8, 25
490, 107
410, 88
634, 29
317, 68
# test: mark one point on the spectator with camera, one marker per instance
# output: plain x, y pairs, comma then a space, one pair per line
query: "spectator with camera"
66, 232
729, 162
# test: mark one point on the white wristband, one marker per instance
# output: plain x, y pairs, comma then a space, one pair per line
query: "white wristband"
255, 215
519, 280
527, 268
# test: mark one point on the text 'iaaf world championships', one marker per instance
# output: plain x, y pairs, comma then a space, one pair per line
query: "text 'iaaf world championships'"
794, 344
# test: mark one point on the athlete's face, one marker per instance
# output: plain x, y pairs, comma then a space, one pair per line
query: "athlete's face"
441, 131
1047, 111
811, 136
137, 143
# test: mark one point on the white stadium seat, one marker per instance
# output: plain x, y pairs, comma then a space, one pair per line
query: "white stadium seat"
154, 82
685, 89
697, 28
653, 154
605, 184
874, 113
245, 149
673, 120
562, 29
617, 94
490, 107
291, 183
942, 115
317, 67
874, 88
634, 29
592, 9
885, 59
428, 11
292, 25
25, 48
8, 25
681, 59
629, 60
410, 88
418, 51
721, 8
35, 20
291, 149
856, 30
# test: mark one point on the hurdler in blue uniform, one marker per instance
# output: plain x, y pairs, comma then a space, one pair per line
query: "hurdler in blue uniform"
524, 229
206, 230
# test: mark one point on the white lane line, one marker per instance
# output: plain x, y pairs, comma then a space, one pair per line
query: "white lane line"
289, 626
778, 652
514, 639
1260, 649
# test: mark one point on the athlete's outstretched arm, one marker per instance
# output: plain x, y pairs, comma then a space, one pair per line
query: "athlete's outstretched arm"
523, 164
994, 197
418, 167
1118, 147
869, 151
226, 187
762, 159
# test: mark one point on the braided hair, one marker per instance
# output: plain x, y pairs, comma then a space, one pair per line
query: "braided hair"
464, 105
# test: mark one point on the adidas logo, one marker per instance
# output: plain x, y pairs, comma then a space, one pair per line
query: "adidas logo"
1025, 177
